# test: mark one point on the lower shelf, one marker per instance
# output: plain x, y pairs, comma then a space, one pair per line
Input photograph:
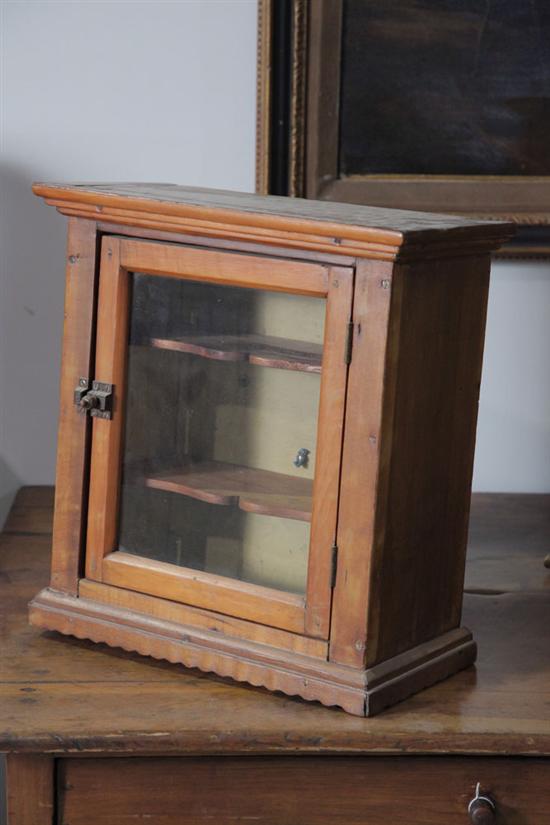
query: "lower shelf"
250, 489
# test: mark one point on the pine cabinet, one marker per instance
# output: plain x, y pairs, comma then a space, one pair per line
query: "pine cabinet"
267, 428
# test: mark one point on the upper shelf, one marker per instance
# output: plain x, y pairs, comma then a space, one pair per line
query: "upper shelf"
253, 490
263, 350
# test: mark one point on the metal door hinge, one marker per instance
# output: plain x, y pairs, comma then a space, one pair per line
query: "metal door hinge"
349, 343
334, 565
97, 399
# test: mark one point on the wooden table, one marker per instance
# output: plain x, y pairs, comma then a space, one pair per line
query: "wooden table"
63, 701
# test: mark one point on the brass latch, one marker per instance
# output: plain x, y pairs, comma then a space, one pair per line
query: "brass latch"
97, 400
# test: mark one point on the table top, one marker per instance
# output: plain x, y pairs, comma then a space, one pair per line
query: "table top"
63, 695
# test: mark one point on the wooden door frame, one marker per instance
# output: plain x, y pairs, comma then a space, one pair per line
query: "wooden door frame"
121, 256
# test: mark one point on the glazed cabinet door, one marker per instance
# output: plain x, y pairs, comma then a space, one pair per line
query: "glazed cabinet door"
218, 415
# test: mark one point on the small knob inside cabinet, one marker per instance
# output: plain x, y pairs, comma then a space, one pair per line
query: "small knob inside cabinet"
302, 457
482, 809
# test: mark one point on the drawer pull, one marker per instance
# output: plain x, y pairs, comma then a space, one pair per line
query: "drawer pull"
482, 809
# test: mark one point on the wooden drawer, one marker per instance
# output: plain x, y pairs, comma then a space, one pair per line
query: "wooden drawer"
299, 790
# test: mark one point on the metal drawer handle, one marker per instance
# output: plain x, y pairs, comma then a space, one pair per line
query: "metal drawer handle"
482, 809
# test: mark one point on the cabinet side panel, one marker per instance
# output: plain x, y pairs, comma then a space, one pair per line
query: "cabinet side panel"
74, 428
430, 416
360, 460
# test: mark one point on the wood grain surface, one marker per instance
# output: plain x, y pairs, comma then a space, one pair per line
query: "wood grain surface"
361, 458
289, 222
301, 790
396, 220
60, 695
30, 785
207, 590
427, 441
74, 428
185, 614
253, 490
252, 271
110, 368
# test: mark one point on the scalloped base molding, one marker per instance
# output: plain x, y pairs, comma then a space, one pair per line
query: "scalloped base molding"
361, 692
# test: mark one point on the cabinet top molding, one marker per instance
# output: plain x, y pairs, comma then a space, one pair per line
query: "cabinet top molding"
318, 226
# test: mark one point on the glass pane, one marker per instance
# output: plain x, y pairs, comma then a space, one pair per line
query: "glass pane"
221, 428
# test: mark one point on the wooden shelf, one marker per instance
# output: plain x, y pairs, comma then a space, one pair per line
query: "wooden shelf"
255, 491
263, 350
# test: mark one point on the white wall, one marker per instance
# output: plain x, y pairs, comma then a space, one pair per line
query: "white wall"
513, 435
101, 90
165, 91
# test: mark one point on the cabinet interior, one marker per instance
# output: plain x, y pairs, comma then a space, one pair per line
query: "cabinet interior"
222, 402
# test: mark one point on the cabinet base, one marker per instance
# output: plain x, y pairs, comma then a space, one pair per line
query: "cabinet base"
360, 692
